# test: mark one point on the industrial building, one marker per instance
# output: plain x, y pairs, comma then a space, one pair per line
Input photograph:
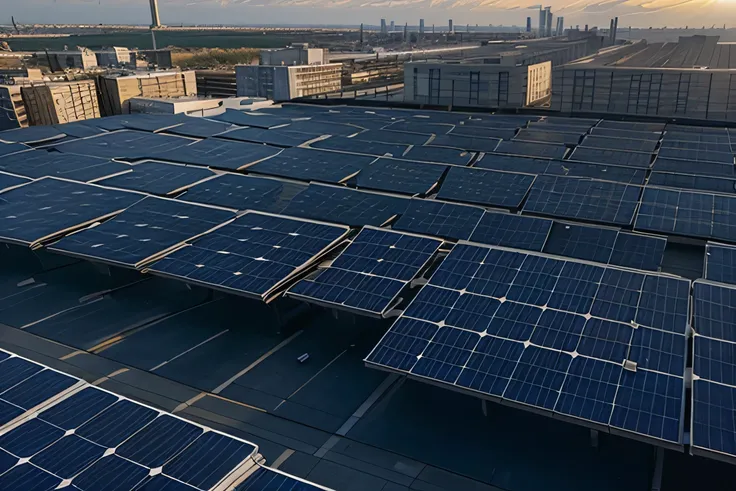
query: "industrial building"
296, 54
692, 78
496, 75
82, 59
283, 83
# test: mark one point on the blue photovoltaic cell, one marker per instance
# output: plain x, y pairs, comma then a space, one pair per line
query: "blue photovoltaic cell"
279, 137
152, 122
28, 439
618, 295
39, 163
659, 351
638, 251
506, 132
265, 479
558, 330
37, 389
612, 157
221, 154
159, 441
699, 183
16, 370
31, 135
508, 230
537, 135
626, 133
371, 272
589, 390
116, 424
626, 175
512, 163
696, 156
244, 193
73, 412
720, 263
677, 166
9, 181
114, 473
713, 428
68, 457
490, 366
605, 340
627, 144
631, 126
322, 128
439, 155
401, 345
538, 377
420, 128
583, 199
199, 128
700, 147
142, 231
439, 219
11, 148
400, 176
27, 477
253, 254
662, 304
715, 360
346, 206
485, 187
46, 207
575, 288
353, 145
526, 149
445, 357
714, 311
649, 404
312, 165
581, 241
683, 136
158, 178
393, 137
78, 129
242, 118
125, 144
469, 143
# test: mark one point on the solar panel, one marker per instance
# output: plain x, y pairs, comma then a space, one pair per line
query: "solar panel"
109, 123
439, 155
720, 263
393, 137
697, 146
255, 120
700, 183
10, 181
11, 148
220, 154
267, 479
152, 122
581, 242
244, 193
680, 136
560, 128
400, 176
94, 439
346, 206
278, 137
526, 149
439, 219
31, 135
253, 255
536, 135
78, 129
335, 129
419, 127
696, 130
677, 166
510, 163
628, 125
352, 145
369, 275
39, 163
200, 128
612, 157
508, 230
469, 143
645, 146
696, 156
158, 178
626, 175
126, 145
486, 187
312, 165
536, 332
504, 133
638, 251
583, 199
626, 133
142, 232
46, 208
687, 213
714, 386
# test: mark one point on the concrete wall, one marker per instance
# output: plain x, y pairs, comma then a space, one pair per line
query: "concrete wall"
690, 93
283, 83
292, 56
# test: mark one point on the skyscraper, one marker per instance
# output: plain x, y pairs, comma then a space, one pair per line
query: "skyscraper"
450, 26
528, 24
392, 27
421, 26
383, 26
548, 21
542, 22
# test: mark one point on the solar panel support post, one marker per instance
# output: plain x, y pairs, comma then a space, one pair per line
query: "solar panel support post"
594, 438
658, 469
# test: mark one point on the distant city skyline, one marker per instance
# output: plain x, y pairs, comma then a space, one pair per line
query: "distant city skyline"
637, 13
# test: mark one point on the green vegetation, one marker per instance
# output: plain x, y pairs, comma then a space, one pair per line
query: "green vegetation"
214, 57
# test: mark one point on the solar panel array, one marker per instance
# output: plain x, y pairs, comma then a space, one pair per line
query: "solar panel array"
57, 430
602, 346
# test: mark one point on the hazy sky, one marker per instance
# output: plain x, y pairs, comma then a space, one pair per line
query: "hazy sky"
631, 12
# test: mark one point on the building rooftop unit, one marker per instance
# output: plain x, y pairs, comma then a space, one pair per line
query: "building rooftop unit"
245, 316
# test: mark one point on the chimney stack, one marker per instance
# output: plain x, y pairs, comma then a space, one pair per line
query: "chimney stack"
155, 19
